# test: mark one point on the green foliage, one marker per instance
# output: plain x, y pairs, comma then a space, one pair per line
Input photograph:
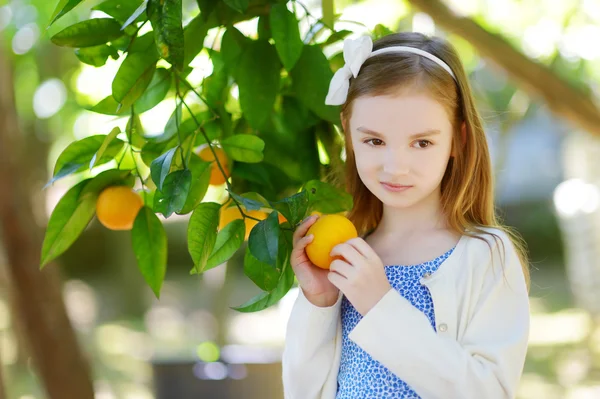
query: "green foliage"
267, 132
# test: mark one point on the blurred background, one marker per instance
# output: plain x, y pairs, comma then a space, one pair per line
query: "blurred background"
545, 140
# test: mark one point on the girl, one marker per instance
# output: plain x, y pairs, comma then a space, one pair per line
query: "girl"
432, 300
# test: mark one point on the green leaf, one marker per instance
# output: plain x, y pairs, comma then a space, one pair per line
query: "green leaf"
82, 152
96, 55
264, 240
257, 77
380, 31
109, 138
68, 220
74, 211
264, 27
66, 170
193, 38
239, 5
202, 233
135, 15
214, 86
263, 275
233, 44
63, 7
109, 106
135, 131
149, 241
133, 77
294, 208
174, 192
229, 240
119, 9
250, 201
286, 35
310, 81
160, 167
92, 32
325, 198
266, 299
336, 37
244, 147
252, 172
166, 19
201, 171
156, 92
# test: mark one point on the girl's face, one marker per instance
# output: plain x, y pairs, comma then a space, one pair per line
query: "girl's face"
403, 141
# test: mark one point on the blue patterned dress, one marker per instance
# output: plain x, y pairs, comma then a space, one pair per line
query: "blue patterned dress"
360, 376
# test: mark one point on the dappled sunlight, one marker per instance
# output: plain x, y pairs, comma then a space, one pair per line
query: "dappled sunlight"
567, 326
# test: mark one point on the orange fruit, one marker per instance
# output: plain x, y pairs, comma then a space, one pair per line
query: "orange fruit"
231, 213
117, 207
328, 231
216, 177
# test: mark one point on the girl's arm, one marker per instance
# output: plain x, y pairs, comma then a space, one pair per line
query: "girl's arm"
488, 360
310, 348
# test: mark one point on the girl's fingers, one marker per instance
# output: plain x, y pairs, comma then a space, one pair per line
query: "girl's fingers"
302, 229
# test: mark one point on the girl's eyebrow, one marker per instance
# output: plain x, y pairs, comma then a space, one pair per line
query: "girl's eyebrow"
428, 132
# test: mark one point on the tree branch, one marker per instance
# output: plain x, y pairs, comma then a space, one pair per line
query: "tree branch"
535, 78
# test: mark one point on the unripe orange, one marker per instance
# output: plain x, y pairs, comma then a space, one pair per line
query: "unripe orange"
328, 231
117, 207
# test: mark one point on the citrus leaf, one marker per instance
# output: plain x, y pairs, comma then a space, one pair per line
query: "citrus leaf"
244, 147
119, 9
262, 274
68, 220
266, 299
202, 233
251, 201
174, 192
325, 198
149, 241
166, 19
201, 171
193, 38
135, 15
82, 152
264, 27
310, 81
111, 177
264, 240
66, 170
336, 37
257, 76
92, 32
96, 55
233, 44
63, 7
286, 35
229, 240
135, 131
294, 208
133, 77
239, 5
160, 167
109, 138
156, 92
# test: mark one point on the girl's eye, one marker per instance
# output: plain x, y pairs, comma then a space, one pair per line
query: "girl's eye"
423, 143
374, 142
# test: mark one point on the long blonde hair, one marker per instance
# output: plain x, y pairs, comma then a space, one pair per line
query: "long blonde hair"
467, 187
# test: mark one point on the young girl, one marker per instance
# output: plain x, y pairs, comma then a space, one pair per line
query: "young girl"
432, 300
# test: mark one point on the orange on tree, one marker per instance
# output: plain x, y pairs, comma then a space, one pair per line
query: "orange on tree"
216, 177
328, 231
231, 213
117, 207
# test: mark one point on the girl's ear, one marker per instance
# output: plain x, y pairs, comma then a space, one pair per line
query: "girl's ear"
344, 122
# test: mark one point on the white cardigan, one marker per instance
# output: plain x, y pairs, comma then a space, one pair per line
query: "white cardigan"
478, 352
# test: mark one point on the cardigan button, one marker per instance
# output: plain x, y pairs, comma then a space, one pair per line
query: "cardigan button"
427, 275
443, 327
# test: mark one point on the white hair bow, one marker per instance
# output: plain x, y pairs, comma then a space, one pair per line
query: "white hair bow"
356, 53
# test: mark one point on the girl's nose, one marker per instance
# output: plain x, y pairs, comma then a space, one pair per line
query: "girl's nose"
396, 163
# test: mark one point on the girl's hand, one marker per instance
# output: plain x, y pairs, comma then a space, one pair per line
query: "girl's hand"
312, 279
361, 276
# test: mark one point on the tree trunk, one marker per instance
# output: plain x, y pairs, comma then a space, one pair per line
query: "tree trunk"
533, 77
36, 294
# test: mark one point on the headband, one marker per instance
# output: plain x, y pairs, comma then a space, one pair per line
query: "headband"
356, 52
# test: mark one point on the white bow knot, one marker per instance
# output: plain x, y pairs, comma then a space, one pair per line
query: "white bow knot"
356, 53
